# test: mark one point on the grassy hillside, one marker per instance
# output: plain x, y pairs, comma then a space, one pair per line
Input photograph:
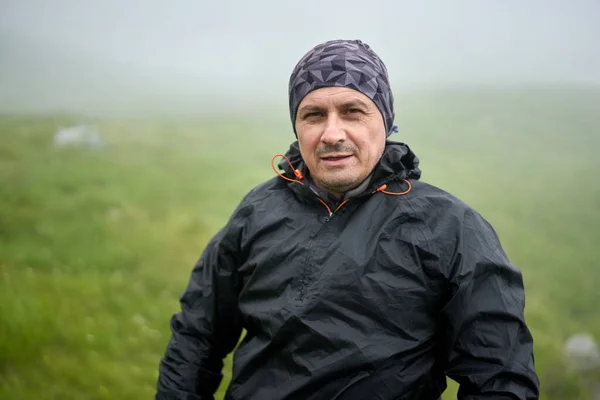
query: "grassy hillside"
96, 245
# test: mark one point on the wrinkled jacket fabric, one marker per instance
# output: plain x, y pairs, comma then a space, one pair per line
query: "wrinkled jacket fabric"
381, 299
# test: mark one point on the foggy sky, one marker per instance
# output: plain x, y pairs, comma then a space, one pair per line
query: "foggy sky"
108, 53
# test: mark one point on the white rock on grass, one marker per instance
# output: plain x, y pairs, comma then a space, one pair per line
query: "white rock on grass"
583, 352
86, 136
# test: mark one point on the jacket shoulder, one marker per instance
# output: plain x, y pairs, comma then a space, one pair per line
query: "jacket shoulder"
270, 192
447, 213
427, 197
264, 190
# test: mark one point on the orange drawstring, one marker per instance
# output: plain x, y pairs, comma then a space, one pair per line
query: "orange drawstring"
379, 189
329, 209
326, 206
296, 171
341, 204
383, 187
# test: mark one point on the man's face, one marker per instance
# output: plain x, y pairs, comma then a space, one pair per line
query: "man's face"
341, 134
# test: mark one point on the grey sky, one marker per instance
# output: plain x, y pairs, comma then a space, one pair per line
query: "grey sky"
229, 50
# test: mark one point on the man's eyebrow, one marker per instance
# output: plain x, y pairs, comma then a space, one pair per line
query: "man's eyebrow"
309, 108
354, 103
346, 104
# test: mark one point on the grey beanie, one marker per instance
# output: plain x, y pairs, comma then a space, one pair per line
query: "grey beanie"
346, 63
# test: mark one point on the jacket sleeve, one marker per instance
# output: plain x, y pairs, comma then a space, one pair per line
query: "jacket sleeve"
207, 328
489, 347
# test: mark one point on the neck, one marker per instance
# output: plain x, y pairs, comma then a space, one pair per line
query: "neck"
361, 187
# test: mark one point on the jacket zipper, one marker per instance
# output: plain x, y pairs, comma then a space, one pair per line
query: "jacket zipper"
303, 282
306, 271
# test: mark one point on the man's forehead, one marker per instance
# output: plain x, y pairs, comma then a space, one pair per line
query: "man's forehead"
335, 95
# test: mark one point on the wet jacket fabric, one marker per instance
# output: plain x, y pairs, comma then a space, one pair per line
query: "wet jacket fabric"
379, 298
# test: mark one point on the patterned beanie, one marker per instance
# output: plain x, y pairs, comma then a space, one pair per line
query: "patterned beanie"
345, 63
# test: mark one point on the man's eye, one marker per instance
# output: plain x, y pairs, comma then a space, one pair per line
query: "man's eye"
353, 111
312, 114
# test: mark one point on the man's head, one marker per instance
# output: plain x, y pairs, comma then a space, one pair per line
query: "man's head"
341, 106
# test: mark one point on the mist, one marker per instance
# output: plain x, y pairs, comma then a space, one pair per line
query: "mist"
194, 56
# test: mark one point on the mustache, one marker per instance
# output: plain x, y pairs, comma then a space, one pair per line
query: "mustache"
336, 148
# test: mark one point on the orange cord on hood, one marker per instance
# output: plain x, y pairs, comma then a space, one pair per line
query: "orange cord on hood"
296, 171
383, 187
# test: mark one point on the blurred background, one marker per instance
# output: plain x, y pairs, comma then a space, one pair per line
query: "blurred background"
129, 131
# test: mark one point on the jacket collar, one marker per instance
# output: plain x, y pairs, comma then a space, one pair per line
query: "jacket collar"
397, 162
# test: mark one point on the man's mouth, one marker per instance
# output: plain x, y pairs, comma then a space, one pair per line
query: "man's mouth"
336, 160
336, 157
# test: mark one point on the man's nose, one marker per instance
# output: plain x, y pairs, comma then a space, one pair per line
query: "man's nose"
334, 131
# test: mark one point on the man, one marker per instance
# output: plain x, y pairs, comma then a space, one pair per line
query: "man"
351, 278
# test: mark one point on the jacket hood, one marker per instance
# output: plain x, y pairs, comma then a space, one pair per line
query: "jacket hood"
397, 162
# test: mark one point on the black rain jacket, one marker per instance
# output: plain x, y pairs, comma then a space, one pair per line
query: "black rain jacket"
379, 298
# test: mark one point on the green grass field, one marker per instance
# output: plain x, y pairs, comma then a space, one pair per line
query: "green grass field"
96, 245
